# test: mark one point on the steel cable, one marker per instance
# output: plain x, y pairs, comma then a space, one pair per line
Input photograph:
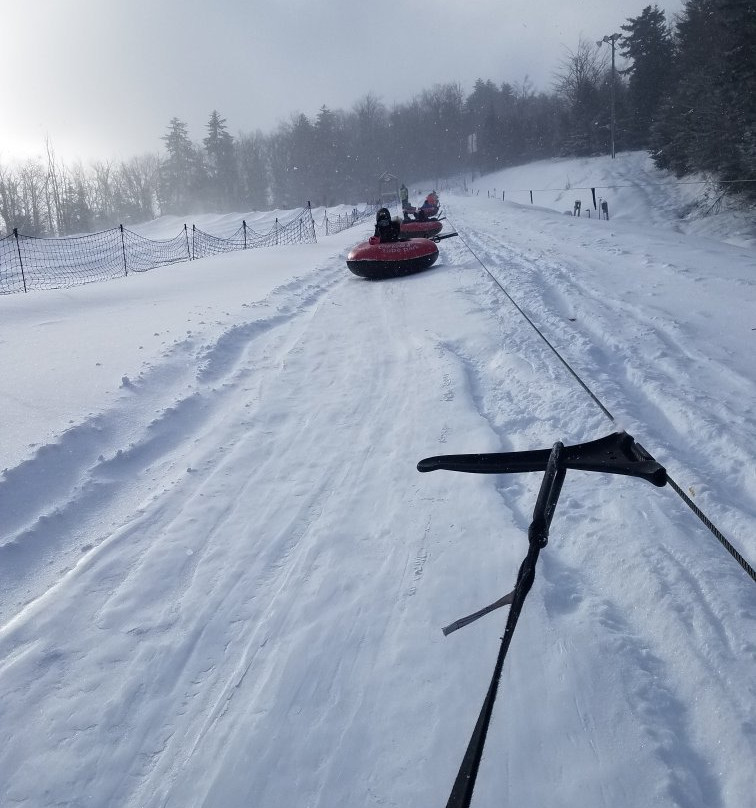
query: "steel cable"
675, 487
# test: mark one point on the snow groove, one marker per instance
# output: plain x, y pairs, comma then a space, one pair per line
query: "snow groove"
103, 469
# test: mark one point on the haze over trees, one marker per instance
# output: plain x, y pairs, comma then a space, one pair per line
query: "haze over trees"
685, 90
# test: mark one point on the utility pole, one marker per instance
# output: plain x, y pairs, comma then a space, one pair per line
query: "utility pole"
612, 40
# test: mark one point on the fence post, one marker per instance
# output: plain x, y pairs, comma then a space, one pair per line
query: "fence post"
21, 263
194, 228
186, 236
244, 230
312, 222
325, 219
276, 231
123, 250
531, 197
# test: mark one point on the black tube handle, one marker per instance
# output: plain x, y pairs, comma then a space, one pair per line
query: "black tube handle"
617, 453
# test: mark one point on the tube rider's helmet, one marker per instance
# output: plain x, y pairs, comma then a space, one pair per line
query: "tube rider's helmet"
383, 218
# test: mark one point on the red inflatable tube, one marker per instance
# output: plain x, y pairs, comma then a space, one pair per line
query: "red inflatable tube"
376, 260
421, 229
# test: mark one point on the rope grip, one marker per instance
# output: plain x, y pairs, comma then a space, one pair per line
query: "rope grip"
617, 453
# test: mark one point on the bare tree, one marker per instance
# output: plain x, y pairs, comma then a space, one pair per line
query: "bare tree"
136, 184
11, 208
55, 189
579, 84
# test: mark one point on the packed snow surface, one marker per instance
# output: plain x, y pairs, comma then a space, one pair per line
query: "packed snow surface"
223, 580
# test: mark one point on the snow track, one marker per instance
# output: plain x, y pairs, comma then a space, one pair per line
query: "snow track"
226, 586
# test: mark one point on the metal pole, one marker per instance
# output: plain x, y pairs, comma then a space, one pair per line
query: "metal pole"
312, 222
612, 40
612, 96
20, 261
123, 250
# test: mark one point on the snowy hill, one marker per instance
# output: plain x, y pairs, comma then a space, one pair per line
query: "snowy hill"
223, 580
634, 190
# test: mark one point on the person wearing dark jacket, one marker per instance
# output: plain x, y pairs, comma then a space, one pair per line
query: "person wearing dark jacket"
386, 228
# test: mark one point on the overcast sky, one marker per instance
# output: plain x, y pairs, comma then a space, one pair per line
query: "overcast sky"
102, 78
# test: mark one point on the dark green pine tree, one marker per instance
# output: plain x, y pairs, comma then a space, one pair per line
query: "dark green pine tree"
648, 44
290, 160
177, 170
328, 158
483, 121
688, 121
737, 89
300, 168
708, 121
220, 166
253, 172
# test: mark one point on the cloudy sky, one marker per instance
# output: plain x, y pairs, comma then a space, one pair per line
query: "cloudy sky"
102, 78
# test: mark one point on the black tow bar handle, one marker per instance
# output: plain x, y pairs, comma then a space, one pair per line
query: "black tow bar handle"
617, 453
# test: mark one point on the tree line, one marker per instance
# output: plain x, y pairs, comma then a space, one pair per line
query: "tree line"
685, 90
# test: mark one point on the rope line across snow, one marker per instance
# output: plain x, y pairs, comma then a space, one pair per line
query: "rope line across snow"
675, 487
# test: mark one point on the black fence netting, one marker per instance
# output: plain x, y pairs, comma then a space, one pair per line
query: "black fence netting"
300, 230
343, 221
141, 254
27, 262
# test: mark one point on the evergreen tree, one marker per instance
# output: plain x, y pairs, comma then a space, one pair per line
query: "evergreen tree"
483, 121
291, 162
648, 43
366, 146
737, 87
404, 150
177, 170
253, 174
328, 158
444, 135
708, 121
538, 123
300, 170
220, 165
